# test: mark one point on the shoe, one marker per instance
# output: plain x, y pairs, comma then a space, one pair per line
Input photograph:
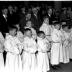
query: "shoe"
54, 67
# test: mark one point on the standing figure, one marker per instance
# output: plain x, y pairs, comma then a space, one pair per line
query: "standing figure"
56, 48
42, 56
70, 48
12, 47
46, 28
1, 53
66, 45
28, 56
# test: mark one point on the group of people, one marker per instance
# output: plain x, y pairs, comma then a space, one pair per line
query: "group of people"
36, 51
31, 44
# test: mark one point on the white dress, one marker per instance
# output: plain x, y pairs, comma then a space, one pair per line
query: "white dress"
1, 53
42, 56
28, 56
13, 59
56, 49
66, 46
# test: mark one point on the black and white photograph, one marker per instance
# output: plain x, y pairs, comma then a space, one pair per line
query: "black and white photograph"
35, 36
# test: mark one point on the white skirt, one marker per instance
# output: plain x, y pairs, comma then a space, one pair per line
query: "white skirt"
66, 52
29, 62
55, 53
1, 63
42, 62
13, 63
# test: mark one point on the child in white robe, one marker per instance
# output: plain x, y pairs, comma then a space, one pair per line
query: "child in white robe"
47, 29
1, 53
70, 48
30, 26
30, 47
42, 56
56, 48
12, 47
66, 45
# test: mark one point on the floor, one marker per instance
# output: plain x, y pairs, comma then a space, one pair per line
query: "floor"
63, 68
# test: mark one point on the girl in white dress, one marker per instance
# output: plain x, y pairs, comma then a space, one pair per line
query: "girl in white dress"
30, 26
12, 47
28, 56
42, 56
1, 53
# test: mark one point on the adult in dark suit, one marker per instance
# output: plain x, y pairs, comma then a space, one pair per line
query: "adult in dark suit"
4, 25
36, 19
22, 19
4, 21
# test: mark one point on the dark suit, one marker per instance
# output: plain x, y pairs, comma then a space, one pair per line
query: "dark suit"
22, 21
3, 24
36, 21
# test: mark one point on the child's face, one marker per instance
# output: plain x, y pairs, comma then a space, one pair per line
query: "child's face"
42, 36
12, 32
29, 24
57, 27
46, 20
28, 33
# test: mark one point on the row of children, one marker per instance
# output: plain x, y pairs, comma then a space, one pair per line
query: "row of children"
34, 52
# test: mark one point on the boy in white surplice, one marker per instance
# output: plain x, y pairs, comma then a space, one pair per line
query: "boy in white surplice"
12, 47
66, 43
56, 48
42, 56
28, 56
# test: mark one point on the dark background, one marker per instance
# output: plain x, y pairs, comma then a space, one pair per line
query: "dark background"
27, 3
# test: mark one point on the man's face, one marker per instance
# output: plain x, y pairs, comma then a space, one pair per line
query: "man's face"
5, 11
10, 8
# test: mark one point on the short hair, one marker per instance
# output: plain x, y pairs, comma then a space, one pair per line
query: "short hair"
40, 32
27, 29
12, 27
45, 17
56, 23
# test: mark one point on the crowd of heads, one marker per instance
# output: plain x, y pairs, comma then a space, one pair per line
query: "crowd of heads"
62, 16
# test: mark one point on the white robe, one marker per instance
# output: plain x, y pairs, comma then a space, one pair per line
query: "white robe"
66, 46
13, 59
70, 48
42, 56
56, 49
46, 29
28, 57
1, 53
